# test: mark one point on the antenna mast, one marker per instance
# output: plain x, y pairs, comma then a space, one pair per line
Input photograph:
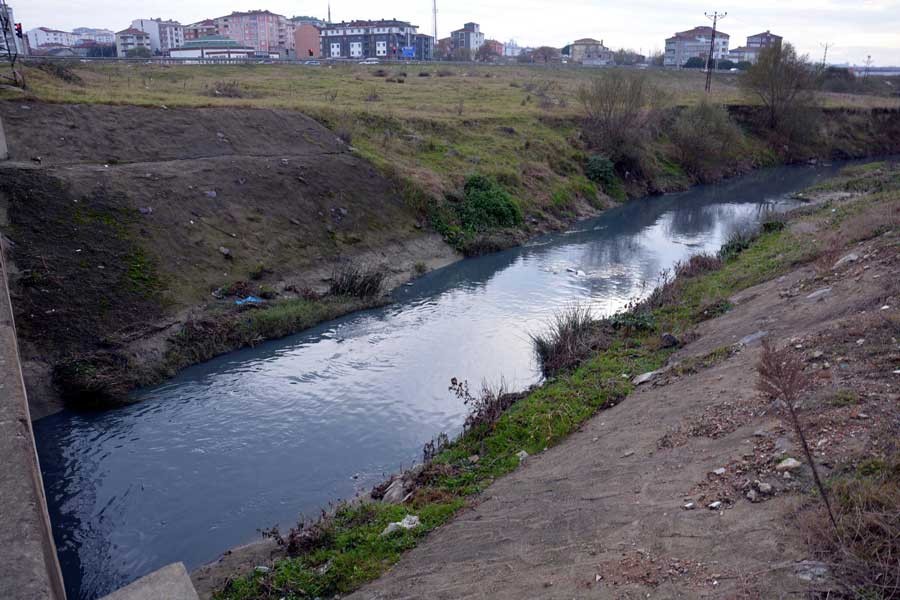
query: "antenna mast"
434, 15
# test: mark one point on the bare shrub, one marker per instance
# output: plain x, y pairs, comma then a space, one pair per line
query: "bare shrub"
307, 536
357, 281
487, 407
379, 73
445, 73
434, 447
706, 139
863, 552
373, 96
781, 376
737, 242
697, 264
620, 114
566, 341
424, 74
60, 70
226, 89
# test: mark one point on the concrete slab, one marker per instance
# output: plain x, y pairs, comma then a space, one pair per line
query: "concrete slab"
169, 583
28, 565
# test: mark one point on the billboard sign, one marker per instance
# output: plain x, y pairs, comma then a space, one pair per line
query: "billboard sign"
408, 51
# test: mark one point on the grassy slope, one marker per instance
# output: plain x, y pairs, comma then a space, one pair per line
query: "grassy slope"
349, 549
517, 123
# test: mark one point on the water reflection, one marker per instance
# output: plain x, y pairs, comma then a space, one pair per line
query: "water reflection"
255, 437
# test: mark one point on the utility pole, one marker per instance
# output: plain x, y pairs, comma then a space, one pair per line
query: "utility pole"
868, 66
8, 41
715, 17
826, 46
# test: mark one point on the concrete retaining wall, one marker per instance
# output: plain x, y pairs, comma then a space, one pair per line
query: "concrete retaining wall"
29, 568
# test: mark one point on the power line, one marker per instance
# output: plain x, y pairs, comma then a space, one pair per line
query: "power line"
715, 17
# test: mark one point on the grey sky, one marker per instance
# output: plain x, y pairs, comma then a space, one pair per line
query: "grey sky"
857, 28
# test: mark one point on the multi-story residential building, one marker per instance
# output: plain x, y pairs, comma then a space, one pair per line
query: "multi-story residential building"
164, 35
306, 41
424, 47
373, 39
685, 45
468, 38
443, 48
44, 36
16, 44
755, 44
200, 29
89, 34
131, 38
494, 47
588, 51
511, 49
262, 30
314, 21
766, 39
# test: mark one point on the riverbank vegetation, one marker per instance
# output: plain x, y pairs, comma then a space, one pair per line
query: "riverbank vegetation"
354, 549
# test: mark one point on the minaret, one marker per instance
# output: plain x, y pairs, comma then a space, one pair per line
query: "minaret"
329, 13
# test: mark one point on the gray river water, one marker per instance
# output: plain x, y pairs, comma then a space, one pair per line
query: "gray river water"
259, 436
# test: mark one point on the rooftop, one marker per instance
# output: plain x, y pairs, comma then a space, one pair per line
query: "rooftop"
702, 31
132, 31
212, 41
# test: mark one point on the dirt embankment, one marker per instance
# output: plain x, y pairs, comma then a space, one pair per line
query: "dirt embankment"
124, 220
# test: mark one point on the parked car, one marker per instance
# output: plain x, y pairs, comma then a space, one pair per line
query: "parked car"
370, 61
312, 62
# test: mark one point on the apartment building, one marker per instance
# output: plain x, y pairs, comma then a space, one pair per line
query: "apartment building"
755, 44
306, 41
200, 29
766, 39
131, 38
44, 36
388, 39
695, 42
164, 35
588, 51
468, 38
262, 30
494, 46
213, 47
99, 36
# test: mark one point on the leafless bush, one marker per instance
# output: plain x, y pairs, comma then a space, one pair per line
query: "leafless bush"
306, 537
445, 73
620, 114
863, 552
357, 281
373, 96
487, 407
60, 70
781, 376
566, 341
226, 89
706, 139
434, 447
379, 73
698, 264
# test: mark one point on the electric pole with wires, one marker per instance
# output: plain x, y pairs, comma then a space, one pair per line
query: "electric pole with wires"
826, 46
715, 17
9, 47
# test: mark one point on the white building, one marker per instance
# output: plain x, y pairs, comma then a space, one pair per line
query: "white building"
131, 38
10, 33
694, 43
100, 36
164, 35
44, 36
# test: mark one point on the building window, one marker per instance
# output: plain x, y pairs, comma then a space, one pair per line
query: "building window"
380, 48
336, 50
355, 49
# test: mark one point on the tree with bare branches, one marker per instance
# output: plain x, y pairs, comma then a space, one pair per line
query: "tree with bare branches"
783, 81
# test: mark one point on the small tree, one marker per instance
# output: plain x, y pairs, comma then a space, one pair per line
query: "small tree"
486, 54
725, 65
694, 62
545, 55
782, 80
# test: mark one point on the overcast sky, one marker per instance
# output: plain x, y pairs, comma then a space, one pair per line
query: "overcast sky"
857, 28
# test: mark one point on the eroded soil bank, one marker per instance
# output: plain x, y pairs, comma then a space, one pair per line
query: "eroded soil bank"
124, 220
683, 488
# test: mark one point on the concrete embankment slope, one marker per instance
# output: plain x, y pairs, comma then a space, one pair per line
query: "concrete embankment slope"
28, 565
